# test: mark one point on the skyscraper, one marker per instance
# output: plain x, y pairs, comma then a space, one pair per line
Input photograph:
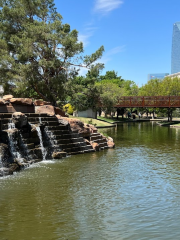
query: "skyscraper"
157, 76
175, 55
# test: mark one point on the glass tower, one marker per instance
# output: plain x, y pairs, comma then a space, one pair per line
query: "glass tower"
175, 55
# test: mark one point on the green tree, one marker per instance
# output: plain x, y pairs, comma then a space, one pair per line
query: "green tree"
109, 93
83, 91
39, 53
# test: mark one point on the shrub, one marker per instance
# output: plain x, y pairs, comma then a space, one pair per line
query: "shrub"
68, 108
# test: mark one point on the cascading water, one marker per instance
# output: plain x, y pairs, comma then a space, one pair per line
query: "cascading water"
12, 140
43, 150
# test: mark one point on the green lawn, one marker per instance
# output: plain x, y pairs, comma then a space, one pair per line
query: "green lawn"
92, 121
112, 120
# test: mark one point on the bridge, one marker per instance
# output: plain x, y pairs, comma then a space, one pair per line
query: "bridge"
152, 101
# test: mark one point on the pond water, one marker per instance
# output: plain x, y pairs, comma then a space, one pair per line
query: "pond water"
130, 192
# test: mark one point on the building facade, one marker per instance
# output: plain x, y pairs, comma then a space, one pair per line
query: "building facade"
157, 75
175, 54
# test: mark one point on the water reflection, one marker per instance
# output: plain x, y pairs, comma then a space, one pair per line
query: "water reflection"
130, 192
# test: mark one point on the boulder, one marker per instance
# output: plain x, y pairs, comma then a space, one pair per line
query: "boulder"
48, 109
5, 171
20, 119
2, 102
95, 146
21, 162
7, 97
4, 154
59, 155
13, 168
110, 142
21, 101
58, 111
78, 126
41, 103
62, 120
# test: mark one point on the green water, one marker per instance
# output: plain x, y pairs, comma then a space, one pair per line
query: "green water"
130, 192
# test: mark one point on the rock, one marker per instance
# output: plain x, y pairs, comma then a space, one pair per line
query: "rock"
48, 109
5, 172
21, 101
41, 103
13, 167
2, 102
110, 142
78, 127
58, 111
59, 155
62, 120
7, 97
95, 146
20, 119
34, 133
21, 162
4, 153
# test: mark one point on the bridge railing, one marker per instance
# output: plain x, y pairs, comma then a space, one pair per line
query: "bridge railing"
149, 101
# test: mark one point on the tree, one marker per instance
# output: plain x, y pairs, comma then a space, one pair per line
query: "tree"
39, 52
109, 93
83, 91
110, 75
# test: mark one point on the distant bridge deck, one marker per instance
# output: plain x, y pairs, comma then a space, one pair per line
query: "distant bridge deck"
153, 101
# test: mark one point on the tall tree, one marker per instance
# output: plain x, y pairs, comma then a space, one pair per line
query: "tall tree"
39, 52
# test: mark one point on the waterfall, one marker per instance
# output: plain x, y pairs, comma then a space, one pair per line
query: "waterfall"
12, 141
43, 150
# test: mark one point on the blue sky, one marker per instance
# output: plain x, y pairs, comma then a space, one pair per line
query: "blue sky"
136, 34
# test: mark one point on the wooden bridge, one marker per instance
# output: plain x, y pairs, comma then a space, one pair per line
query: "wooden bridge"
153, 101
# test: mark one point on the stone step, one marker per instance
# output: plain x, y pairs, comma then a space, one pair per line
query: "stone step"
100, 141
4, 126
5, 115
42, 119
92, 138
71, 140
102, 145
36, 114
89, 150
69, 145
95, 134
75, 153
58, 127
36, 141
66, 136
74, 149
30, 146
5, 120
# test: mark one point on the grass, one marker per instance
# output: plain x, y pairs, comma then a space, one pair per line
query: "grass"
92, 121
166, 123
112, 120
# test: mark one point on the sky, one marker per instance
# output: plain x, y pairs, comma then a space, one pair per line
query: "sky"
136, 34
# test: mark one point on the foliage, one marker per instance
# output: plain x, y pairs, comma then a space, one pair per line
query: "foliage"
109, 93
39, 53
68, 108
83, 91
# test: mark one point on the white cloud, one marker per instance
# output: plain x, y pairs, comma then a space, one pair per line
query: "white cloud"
108, 56
105, 6
84, 38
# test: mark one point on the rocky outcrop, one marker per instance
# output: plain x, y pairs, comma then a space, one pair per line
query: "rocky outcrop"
41, 103
20, 119
58, 111
48, 109
59, 155
2, 102
21, 101
110, 142
7, 97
